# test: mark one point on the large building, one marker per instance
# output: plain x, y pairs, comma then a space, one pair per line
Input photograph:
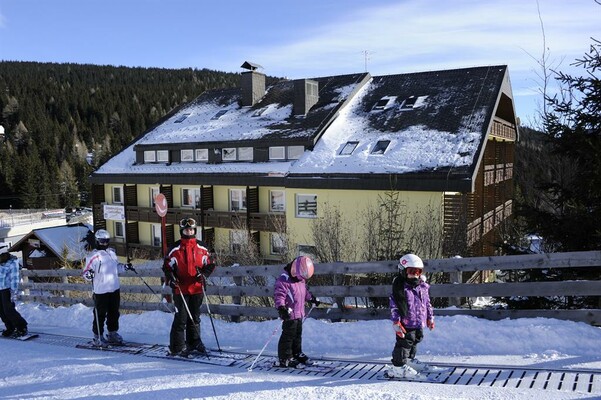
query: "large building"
267, 160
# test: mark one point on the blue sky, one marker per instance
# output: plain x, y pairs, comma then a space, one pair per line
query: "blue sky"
307, 38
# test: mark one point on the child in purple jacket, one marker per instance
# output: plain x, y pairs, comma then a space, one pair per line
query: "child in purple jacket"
410, 311
290, 295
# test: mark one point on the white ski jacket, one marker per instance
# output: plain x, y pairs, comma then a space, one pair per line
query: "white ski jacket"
105, 268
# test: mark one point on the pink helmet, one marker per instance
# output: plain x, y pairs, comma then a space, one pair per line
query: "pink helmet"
302, 267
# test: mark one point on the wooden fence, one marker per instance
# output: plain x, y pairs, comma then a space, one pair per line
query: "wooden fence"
229, 285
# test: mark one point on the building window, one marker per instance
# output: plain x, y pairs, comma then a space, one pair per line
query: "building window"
277, 153
245, 154
202, 154
278, 244
219, 114
277, 200
237, 199
162, 155
306, 250
191, 197
187, 155
119, 230
153, 193
238, 239
181, 118
380, 147
348, 148
156, 235
150, 156
384, 103
306, 205
295, 152
117, 194
228, 154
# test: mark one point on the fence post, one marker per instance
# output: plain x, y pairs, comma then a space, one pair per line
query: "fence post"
236, 299
25, 279
455, 277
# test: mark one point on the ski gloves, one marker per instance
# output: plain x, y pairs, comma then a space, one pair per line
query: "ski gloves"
315, 301
284, 313
430, 324
399, 329
13, 296
89, 275
129, 267
205, 272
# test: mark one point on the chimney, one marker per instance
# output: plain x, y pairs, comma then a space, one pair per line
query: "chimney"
253, 84
306, 95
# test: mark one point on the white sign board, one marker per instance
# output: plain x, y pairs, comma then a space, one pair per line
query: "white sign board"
114, 212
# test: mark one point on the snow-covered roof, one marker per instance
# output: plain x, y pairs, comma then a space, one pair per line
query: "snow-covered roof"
436, 123
61, 238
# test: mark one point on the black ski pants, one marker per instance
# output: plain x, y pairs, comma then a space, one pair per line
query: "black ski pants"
290, 343
106, 309
185, 331
406, 348
9, 314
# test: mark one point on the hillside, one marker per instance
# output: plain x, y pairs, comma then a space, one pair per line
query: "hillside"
63, 120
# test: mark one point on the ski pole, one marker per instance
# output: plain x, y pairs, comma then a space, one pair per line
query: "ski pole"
264, 347
204, 285
148, 286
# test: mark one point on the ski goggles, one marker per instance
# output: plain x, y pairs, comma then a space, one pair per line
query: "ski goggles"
187, 223
414, 271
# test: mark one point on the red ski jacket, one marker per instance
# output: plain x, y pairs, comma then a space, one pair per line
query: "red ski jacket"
185, 261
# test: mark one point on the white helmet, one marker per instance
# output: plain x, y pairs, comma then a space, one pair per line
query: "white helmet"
410, 261
102, 238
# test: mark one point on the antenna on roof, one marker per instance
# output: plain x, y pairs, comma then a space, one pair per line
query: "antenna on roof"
366, 54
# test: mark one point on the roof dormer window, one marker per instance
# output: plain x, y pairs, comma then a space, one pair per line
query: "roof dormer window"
219, 114
413, 102
181, 118
384, 103
380, 147
348, 148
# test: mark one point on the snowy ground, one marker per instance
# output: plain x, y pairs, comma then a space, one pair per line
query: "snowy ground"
31, 370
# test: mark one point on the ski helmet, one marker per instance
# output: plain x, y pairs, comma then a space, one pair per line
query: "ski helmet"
187, 223
302, 267
410, 261
102, 238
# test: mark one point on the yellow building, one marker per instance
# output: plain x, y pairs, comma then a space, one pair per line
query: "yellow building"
267, 162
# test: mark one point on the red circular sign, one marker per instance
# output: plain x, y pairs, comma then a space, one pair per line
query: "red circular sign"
160, 204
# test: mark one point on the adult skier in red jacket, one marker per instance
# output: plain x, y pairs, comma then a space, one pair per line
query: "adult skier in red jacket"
186, 267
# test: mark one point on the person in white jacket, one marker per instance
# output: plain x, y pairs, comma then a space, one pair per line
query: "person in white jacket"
102, 268
16, 325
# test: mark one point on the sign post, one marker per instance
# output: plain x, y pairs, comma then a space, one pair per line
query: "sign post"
161, 206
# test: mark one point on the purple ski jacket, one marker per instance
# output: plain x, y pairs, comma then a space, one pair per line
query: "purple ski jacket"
419, 309
291, 293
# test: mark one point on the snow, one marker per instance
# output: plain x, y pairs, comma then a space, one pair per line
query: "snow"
39, 371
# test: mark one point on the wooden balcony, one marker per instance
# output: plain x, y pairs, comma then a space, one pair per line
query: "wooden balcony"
267, 222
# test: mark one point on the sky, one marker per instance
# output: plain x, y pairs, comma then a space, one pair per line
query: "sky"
34, 370
307, 39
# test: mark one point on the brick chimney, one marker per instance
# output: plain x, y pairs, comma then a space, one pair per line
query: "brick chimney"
253, 84
306, 95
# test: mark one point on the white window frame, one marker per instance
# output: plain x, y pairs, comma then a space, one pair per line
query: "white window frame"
373, 150
295, 152
238, 239
308, 212
156, 236
187, 155
202, 154
245, 154
277, 244
239, 197
150, 156
277, 153
162, 155
274, 204
349, 148
119, 229
228, 154
188, 202
153, 192
119, 191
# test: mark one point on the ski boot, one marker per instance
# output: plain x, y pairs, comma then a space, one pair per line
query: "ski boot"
302, 358
114, 338
100, 341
